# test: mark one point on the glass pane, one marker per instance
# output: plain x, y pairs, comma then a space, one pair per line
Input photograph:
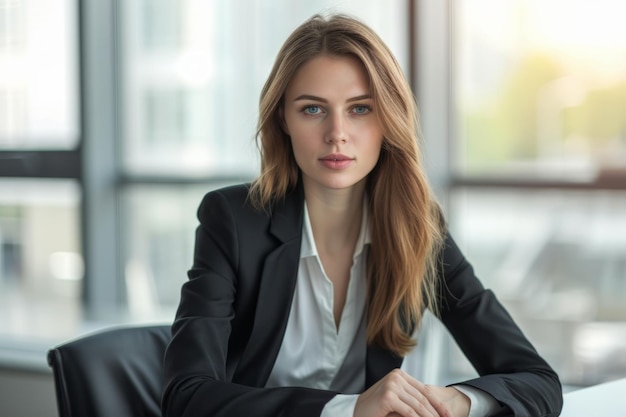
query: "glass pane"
557, 260
193, 69
540, 88
38, 74
41, 264
158, 241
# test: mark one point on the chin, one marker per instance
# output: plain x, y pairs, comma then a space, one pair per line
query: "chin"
335, 182
340, 185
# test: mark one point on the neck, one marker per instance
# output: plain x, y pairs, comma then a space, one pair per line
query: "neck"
335, 216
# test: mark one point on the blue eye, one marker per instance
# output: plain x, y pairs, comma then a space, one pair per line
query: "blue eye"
361, 109
312, 110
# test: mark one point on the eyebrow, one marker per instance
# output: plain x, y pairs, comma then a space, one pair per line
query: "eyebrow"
323, 100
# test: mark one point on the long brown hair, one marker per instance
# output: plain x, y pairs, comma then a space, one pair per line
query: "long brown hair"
405, 223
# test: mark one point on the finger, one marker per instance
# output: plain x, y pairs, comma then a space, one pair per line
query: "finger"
420, 397
418, 403
409, 395
436, 401
404, 409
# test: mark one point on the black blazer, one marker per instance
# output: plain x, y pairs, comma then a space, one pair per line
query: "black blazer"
234, 309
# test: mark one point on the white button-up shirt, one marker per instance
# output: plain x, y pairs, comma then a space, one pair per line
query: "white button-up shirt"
314, 352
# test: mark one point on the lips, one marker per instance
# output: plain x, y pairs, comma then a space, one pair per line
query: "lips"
336, 161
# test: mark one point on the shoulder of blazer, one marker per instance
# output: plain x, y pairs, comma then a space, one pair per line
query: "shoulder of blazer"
285, 216
236, 195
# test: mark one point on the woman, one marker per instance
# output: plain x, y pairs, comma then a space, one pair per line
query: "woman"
307, 285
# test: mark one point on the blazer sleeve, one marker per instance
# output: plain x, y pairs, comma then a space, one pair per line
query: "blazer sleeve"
196, 381
510, 368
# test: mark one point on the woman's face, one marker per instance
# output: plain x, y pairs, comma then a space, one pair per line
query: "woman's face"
331, 119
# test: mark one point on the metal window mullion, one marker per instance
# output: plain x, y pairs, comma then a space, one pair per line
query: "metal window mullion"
431, 81
103, 290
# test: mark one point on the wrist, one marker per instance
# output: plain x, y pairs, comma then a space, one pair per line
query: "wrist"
460, 403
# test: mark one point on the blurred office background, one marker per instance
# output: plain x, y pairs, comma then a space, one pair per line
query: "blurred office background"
116, 116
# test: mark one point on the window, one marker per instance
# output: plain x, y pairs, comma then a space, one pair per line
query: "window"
536, 96
556, 260
38, 75
526, 141
41, 251
41, 264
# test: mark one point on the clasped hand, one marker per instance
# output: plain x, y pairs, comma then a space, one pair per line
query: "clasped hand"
399, 394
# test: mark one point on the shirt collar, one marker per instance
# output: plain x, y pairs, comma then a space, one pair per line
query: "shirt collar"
308, 248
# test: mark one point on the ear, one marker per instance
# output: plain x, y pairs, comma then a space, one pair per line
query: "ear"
283, 123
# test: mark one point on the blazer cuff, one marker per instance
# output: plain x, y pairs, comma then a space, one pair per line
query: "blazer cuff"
481, 403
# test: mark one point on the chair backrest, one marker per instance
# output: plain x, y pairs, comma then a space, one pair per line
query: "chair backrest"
115, 372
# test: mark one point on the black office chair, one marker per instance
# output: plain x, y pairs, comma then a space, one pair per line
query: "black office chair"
113, 373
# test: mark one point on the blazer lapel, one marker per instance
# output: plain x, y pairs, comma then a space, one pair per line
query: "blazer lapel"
276, 289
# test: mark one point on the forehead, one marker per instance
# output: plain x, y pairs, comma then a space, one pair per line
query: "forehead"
330, 76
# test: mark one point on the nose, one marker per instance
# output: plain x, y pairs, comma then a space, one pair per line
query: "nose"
336, 132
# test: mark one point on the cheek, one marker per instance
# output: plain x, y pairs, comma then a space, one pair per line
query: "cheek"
299, 149
376, 147
302, 137
375, 155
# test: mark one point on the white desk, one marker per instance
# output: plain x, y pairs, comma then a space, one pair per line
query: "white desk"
603, 400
